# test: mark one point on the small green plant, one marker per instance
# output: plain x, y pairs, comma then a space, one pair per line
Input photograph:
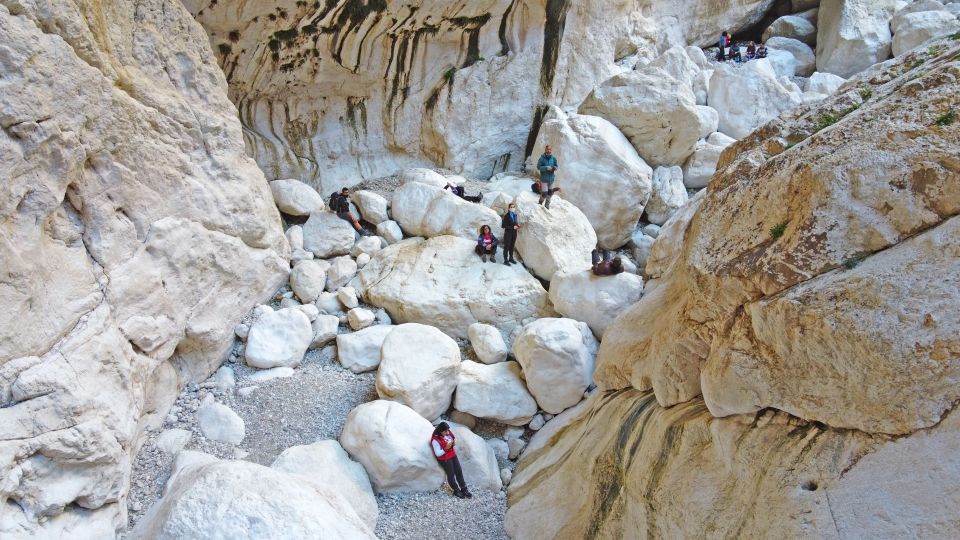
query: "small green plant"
448, 75
826, 120
947, 118
866, 94
955, 37
933, 50
777, 230
917, 63
850, 264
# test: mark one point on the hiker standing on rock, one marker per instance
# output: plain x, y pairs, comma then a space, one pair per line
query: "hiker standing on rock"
340, 203
442, 444
510, 227
547, 165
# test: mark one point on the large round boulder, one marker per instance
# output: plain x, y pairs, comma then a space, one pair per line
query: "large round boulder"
295, 198
595, 300
278, 338
392, 442
557, 356
554, 239
418, 367
748, 96
360, 351
326, 235
495, 392
487, 343
426, 210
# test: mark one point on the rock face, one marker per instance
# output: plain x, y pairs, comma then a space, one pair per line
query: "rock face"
556, 239
738, 486
557, 356
852, 35
441, 282
657, 114
392, 442
124, 177
339, 91
601, 173
251, 501
419, 367
496, 392
595, 300
914, 29
425, 210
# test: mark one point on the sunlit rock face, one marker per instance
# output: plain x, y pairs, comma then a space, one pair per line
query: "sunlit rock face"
332, 92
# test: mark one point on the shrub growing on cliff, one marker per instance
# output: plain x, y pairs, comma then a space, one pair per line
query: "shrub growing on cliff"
946, 118
777, 230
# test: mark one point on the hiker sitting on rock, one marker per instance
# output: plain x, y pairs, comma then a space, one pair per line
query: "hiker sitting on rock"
751, 51
547, 165
462, 193
443, 443
340, 203
762, 50
487, 244
605, 265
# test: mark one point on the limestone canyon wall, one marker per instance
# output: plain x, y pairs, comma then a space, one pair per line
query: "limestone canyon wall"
815, 277
135, 234
334, 92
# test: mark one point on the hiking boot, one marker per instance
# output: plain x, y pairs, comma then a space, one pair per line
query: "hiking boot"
513, 261
460, 494
483, 258
466, 493
541, 200
506, 262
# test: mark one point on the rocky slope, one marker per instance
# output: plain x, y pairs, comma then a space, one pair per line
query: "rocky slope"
813, 278
135, 234
337, 91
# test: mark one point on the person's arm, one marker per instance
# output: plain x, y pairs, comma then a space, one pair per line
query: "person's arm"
554, 163
493, 241
437, 450
504, 221
542, 164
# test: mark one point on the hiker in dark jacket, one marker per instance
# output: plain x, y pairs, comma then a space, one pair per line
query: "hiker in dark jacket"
547, 165
486, 244
510, 227
605, 265
462, 193
762, 50
442, 443
341, 205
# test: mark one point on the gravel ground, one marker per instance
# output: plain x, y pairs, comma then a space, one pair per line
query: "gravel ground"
441, 516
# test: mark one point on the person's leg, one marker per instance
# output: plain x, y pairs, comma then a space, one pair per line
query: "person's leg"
595, 257
550, 193
448, 468
493, 254
458, 472
507, 247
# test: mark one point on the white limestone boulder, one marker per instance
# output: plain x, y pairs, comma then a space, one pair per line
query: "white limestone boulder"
278, 338
390, 231
326, 235
511, 184
295, 198
667, 196
642, 244
677, 63
487, 343
806, 61
347, 296
360, 318
595, 300
308, 279
418, 367
392, 442
557, 356
656, 112
328, 303
425, 210
709, 120
218, 422
698, 170
554, 239
601, 173
250, 501
294, 235
326, 462
441, 282
360, 351
914, 29
366, 245
824, 83
793, 27
495, 392
480, 468
423, 176
325, 328
748, 96
341, 271
372, 206
852, 35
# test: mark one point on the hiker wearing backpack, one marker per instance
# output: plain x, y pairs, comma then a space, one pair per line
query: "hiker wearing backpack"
547, 165
443, 443
340, 203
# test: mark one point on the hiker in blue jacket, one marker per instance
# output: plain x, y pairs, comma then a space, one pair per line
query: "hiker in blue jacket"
547, 165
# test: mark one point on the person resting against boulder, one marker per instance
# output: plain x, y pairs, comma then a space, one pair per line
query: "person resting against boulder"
340, 203
442, 443
604, 265
487, 244
462, 193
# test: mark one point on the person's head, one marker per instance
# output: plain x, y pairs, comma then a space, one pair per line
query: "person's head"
441, 428
763, 44
511, 207
547, 150
726, 34
345, 191
485, 229
617, 265
752, 43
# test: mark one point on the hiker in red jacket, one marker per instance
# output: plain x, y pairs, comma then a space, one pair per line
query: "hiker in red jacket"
442, 444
